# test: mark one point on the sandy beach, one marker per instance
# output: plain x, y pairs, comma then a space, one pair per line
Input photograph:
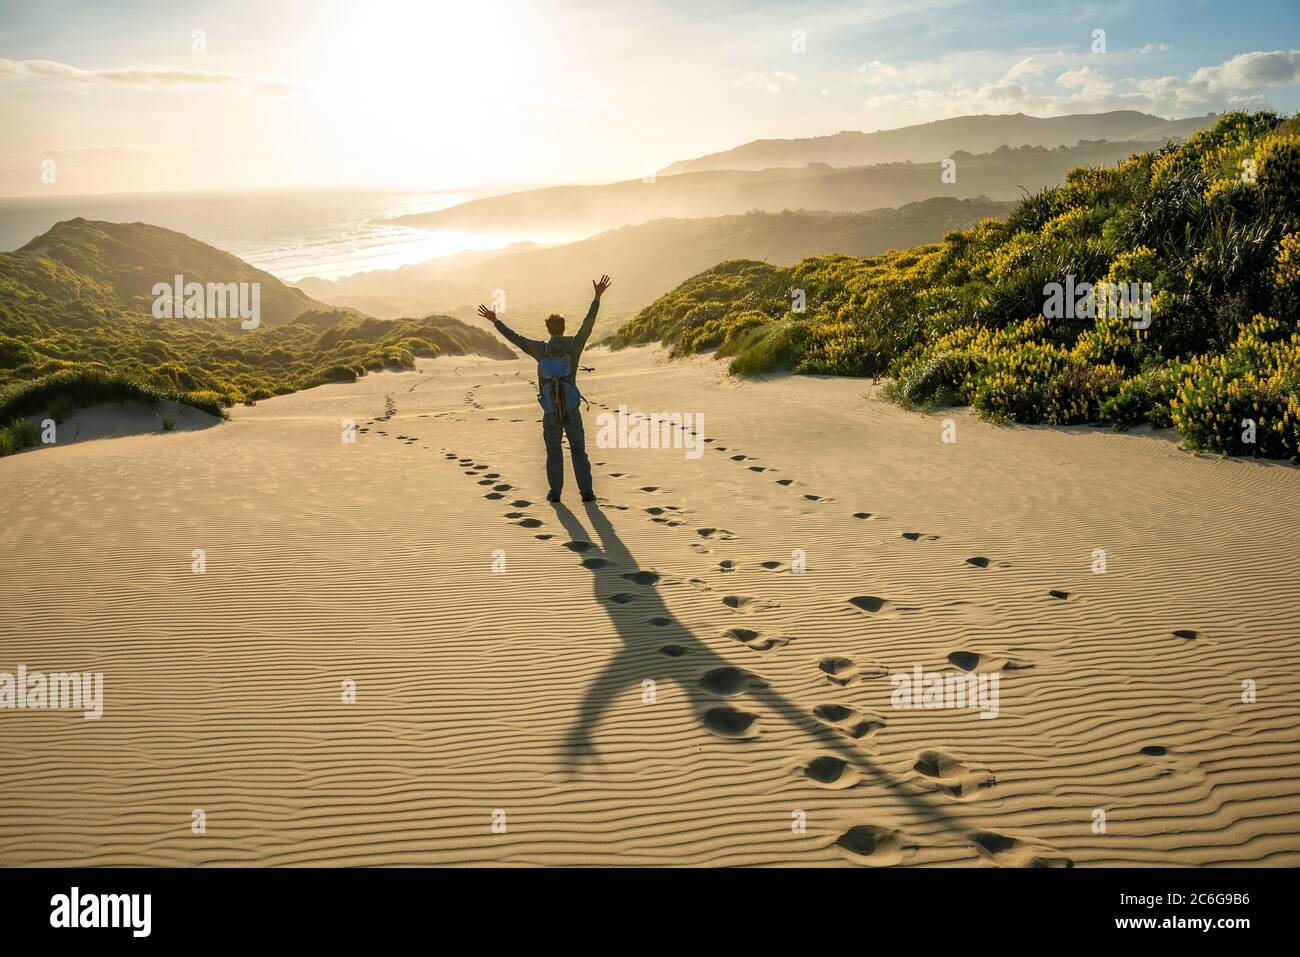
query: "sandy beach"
654, 681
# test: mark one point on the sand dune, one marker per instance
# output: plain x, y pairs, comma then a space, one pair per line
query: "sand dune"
525, 692
117, 419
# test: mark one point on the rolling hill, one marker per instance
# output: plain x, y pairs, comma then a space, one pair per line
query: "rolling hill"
1004, 174
77, 327
647, 260
931, 142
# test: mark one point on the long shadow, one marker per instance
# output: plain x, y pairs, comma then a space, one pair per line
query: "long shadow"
641, 657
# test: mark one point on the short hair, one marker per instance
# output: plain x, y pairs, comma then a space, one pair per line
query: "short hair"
555, 324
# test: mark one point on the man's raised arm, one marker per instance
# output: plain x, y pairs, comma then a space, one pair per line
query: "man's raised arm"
529, 347
584, 331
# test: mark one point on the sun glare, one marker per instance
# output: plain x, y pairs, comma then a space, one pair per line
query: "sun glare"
429, 63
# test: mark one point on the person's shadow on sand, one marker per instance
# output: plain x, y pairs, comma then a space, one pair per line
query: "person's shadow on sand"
610, 564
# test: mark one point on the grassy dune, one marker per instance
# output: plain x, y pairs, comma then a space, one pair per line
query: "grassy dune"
76, 327
1210, 225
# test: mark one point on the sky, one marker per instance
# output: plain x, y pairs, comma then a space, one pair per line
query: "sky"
156, 95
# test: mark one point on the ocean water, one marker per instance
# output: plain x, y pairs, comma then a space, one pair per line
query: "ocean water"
289, 234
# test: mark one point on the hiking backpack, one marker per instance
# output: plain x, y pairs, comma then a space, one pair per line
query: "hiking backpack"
556, 390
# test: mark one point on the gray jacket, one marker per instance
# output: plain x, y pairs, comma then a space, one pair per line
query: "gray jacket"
572, 345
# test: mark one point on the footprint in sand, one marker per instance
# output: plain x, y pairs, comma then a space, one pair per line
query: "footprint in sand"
529, 523
1168, 763
847, 721
731, 722
579, 546
661, 622
984, 663
747, 606
715, 534
952, 776
1006, 851
862, 515
674, 651
1061, 595
1187, 634
834, 774
874, 845
727, 681
727, 565
494, 495
594, 563
838, 669
919, 537
520, 503
623, 598
879, 607
841, 670
642, 578
755, 640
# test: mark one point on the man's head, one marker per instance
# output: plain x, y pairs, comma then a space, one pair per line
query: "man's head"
555, 324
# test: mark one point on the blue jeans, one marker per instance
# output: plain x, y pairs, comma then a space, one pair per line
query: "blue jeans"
552, 432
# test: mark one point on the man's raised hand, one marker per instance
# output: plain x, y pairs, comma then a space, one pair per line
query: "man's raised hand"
600, 285
487, 313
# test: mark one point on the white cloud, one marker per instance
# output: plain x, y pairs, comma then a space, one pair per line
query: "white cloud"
1029, 66
151, 78
1250, 71
1082, 88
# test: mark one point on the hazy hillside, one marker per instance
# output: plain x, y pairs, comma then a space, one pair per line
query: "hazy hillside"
1214, 348
646, 260
578, 210
129, 258
931, 142
76, 327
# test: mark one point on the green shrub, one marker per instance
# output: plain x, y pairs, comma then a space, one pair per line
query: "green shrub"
936, 381
19, 434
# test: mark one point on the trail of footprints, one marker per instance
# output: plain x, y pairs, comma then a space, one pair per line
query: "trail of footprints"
944, 774
390, 410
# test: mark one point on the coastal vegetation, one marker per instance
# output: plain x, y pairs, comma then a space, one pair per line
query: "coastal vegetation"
1206, 230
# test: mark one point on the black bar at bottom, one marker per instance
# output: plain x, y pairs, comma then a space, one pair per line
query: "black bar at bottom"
332, 907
